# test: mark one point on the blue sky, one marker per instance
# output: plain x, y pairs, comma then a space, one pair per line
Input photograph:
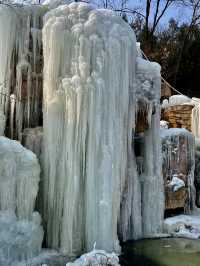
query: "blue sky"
177, 12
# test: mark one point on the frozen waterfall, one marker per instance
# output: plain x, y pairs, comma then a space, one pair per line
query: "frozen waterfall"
99, 148
86, 124
90, 102
21, 67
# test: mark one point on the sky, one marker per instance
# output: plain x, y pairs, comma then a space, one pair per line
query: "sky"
179, 13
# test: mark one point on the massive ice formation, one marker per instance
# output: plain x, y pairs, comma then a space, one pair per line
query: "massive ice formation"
20, 231
90, 102
89, 66
21, 66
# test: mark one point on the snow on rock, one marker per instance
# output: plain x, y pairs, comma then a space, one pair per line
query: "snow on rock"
187, 226
19, 178
165, 103
179, 99
164, 124
56, 3
20, 239
176, 183
96, 258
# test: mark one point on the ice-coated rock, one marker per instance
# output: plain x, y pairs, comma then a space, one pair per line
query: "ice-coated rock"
20, 240
96, 258
187, 226
179, 99
19, 178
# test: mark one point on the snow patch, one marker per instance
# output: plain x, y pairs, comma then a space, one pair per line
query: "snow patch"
176, 183
164, 124
187, 226
96, 258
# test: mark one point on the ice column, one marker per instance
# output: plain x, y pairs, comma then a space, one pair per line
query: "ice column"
89, 79
8, 24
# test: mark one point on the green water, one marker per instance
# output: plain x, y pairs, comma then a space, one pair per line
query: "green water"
162, 252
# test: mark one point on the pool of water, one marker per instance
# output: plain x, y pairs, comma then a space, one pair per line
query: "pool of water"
162, 252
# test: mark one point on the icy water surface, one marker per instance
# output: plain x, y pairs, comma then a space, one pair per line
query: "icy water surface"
162, 252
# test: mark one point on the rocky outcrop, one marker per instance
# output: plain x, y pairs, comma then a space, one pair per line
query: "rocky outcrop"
178, 168
178, 116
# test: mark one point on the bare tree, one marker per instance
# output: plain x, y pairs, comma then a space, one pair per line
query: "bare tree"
122, 7
194, 7
156, 9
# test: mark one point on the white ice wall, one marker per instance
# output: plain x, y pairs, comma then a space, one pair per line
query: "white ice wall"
89, 66
90, 104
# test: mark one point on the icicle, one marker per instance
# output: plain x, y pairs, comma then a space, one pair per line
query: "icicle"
21, 65
2, 122
196, 120
12, 110
8, 22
